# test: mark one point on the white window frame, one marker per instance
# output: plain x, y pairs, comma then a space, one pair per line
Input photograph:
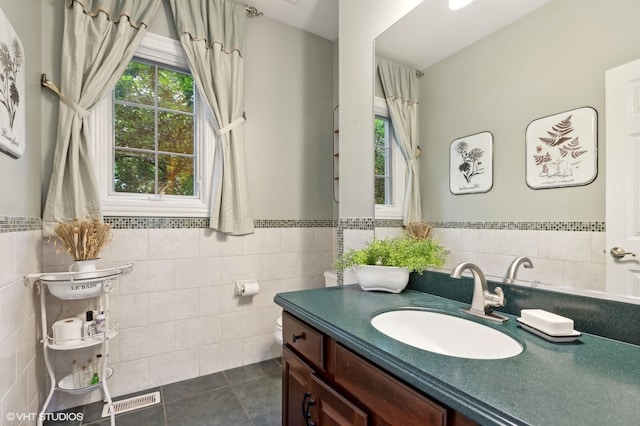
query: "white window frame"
395, 209
167, 51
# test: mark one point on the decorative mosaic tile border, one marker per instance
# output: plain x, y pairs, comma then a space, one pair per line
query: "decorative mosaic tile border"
357, 223
388, 223
19, 224
353, 223
294, 223
135, 222
526, 226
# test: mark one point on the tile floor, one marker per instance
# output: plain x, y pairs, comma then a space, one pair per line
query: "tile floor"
249, 395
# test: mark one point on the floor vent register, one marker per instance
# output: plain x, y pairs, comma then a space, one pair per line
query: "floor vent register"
133, 403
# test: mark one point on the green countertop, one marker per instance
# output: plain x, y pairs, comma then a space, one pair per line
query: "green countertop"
592, 381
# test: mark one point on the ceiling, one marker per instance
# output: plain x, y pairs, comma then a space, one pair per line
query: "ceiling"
318, 17
417, 39
431, 32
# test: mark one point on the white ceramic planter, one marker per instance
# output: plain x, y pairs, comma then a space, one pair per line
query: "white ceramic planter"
382, 278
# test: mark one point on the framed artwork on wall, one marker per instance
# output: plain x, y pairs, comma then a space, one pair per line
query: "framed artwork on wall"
562, 149
471, 164
12, 90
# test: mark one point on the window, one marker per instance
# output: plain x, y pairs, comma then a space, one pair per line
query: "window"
153, 116
153, 137
382, 160
390, 166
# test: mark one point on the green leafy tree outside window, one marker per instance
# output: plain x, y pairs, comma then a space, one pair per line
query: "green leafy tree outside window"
154, 126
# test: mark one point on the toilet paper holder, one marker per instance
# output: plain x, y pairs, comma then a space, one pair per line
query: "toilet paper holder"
247, 287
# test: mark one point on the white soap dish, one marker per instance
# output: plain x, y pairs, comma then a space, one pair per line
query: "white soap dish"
555, 339
547, 322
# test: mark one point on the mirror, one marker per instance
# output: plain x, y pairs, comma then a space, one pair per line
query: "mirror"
549, 59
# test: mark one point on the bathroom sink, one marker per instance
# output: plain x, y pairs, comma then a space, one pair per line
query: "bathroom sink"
446, 334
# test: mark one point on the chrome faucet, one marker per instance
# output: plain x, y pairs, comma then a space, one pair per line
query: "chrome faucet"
483, 300
512, 271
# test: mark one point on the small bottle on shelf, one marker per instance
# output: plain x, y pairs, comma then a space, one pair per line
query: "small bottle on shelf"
86, 378
75, 374
90, 325
99, 366
91, 368
99, 320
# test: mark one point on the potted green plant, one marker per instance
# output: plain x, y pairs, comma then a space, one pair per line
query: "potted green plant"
392, 258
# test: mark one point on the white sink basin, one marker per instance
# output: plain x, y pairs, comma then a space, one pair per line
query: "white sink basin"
446, 334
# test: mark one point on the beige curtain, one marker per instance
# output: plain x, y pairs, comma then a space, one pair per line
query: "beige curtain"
99, 39
400, 86
212, 35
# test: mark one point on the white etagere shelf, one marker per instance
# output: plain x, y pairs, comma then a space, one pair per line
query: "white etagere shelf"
69, 344
98, 284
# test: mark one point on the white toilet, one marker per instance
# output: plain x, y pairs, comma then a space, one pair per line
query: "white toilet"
278, 332
330, 280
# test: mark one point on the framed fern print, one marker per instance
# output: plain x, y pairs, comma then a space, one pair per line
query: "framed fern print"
471, 164
12, 90
562, 149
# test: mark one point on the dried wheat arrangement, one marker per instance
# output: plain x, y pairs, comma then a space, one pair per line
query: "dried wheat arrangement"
83, 239
419, 230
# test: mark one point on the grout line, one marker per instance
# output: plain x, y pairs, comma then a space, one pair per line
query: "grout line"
244, 408
164, 407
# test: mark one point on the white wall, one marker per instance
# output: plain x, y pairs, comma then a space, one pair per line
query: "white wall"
21, 179
548, 62
288, 103
21, 379
179, 318
361, 21
178, 315
22, 376
571, 259
289, 133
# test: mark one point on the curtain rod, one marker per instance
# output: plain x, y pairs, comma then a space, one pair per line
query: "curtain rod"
252, 12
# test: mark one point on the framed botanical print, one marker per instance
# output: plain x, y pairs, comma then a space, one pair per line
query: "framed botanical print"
561, 149
471, 164
12, 90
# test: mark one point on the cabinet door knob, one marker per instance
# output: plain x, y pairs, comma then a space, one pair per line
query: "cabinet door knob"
298, 336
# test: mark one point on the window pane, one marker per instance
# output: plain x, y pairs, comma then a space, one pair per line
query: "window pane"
380, 162
379, 190
175, 132
154, 111
134, 127
137, 84
175, 175
380, 131
134, 172
175, 90
382, 171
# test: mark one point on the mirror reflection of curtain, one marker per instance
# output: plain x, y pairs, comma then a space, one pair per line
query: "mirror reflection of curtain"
212, 35
400, 86
99, 39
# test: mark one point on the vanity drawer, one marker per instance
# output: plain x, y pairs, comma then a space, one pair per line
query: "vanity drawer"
303, 339
392, 401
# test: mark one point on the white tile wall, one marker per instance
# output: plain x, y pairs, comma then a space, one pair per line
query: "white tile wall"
179, 317
21, 381
560, 258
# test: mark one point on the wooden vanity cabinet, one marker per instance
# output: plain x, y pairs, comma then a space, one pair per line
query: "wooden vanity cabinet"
309, 400
325, 384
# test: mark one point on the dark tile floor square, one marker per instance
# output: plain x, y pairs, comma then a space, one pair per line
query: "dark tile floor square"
249, 395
